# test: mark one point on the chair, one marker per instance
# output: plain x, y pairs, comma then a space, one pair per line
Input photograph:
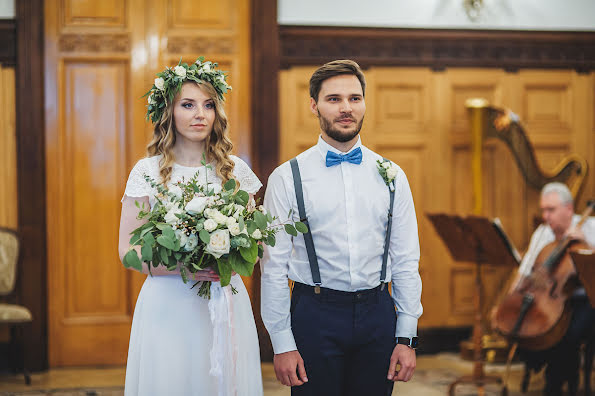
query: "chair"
11, 314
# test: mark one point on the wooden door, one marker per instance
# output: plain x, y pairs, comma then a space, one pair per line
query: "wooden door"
100, 58
417, 117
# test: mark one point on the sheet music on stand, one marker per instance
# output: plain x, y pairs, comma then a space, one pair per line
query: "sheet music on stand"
584, 261
462, 235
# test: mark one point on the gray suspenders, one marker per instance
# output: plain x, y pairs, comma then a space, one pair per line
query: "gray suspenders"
297, 182
312, 258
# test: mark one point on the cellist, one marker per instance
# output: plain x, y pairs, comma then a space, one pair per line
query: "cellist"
562, 360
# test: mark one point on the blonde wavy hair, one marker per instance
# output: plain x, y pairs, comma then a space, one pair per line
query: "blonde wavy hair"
218, 146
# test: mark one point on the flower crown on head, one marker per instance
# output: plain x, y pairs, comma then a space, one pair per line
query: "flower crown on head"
169, 82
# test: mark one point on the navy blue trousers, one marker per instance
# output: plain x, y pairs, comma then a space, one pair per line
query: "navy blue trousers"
346, 340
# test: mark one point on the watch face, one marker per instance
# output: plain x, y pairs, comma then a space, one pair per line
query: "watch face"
414, 342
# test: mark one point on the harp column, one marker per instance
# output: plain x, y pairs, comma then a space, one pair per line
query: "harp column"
477, 113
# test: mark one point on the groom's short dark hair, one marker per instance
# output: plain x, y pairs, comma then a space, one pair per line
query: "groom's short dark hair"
332, 69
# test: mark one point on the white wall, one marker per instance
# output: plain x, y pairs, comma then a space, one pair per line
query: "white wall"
574, 15
7, 9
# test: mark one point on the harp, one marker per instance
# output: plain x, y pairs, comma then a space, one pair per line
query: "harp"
492, 122
489, 122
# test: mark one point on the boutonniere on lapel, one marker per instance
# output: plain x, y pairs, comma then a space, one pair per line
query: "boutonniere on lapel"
388, 171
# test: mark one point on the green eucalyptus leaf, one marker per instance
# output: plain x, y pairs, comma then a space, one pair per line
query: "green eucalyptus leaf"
147, 253
271, 240
242, 197
301, 227
135, 239
204, 236
239, 265
163, 254
224, 271
251, 227
290, 230
166, 242
131, 260
230, 185
149, 239
250, 254
260, 220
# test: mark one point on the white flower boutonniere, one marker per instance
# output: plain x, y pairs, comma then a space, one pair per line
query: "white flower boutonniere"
388, 171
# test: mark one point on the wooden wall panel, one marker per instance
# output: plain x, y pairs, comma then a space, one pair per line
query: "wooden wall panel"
8, 160
417, 117
89, 13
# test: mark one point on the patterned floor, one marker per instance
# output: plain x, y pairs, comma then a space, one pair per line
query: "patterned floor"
433, 376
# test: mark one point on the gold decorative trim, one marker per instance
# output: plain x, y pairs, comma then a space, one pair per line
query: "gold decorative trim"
94, 43
201, 45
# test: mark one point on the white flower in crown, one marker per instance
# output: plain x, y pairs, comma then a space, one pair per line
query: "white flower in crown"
180, 71
206, 68
160, 83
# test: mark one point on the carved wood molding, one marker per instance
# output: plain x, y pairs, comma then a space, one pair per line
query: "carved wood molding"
438, 49
8, 41
95, 43
201, 45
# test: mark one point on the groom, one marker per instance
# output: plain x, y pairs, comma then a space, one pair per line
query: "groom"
338, 333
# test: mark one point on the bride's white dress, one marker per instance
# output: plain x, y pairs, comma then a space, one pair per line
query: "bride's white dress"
172, 332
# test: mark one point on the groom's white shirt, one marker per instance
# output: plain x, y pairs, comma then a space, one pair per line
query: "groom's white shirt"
347, 207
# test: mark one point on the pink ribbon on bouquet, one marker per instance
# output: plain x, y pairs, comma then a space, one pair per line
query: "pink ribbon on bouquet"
224, 351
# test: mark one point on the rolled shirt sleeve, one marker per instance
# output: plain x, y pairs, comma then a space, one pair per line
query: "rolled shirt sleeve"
404, 254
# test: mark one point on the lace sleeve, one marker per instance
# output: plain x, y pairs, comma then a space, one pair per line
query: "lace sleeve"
248, 180
137, 186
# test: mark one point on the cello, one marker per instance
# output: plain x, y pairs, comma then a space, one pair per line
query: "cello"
535, 312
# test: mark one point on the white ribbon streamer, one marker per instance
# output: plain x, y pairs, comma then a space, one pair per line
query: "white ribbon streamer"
223, 353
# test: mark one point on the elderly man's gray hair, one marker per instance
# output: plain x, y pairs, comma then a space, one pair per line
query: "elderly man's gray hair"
559, 188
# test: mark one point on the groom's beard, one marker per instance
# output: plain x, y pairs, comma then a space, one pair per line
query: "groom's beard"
337, 134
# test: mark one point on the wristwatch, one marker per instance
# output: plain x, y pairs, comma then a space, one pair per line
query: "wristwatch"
410, 342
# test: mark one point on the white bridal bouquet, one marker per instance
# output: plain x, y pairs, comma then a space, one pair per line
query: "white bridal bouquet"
192, 227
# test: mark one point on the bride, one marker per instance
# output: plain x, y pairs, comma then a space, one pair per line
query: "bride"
181, 343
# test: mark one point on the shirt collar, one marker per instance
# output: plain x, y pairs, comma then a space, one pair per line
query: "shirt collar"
323, 146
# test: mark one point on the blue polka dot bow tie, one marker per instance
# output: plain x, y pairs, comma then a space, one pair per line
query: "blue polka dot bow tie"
355, 157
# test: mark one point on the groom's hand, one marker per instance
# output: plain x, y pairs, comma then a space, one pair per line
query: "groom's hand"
405, 357
287, 367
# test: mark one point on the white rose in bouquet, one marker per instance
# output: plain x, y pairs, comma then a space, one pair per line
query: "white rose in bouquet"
257, 234
160, 83
191, 243
214, 214
234, 229
170, 217
386, 165
210, 225
219, 243
196, 205
180, 71
182, 237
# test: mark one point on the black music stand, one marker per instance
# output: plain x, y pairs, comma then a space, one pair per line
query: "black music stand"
479, 240
584, 262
